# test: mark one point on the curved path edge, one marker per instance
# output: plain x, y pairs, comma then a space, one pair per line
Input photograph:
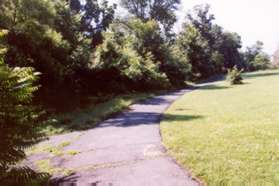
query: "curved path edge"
125, 150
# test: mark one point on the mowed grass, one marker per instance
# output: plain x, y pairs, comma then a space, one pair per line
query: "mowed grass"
228, 135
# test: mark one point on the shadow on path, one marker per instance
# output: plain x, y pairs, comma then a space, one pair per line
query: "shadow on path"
182, 117
213, 87
143, 118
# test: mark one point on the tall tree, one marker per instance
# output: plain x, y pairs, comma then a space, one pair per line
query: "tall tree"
209, 49
162, 11
124, 58
95, 17
135, 55
202, 20
197, 50
229, 48
253, 51
169, 58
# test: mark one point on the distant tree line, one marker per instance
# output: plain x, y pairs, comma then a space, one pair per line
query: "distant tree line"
81, 49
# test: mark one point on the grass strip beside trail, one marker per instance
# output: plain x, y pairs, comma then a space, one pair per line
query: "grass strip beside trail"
89, 117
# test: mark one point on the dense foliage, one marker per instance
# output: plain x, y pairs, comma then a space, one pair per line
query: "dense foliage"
56, 38
209, 49
18, 124
124, 63
255, 58
80, 49
162, 11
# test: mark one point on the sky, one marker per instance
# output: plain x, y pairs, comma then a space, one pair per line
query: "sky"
252, 19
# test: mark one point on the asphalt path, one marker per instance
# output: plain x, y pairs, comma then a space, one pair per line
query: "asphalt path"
125, 150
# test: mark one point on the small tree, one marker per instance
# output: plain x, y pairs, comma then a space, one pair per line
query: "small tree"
260, 62
18, 124
255, 58
234, 76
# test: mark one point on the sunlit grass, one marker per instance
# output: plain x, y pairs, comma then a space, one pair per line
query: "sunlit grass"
89, 117
46, 167
55, 150
232, 136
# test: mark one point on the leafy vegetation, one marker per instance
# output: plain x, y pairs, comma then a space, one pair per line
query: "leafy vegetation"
51, 149
82, 51
255, 58
45, 166
234, 76
209, 49
161, 11
56, 38
18, 124
218, 133
260, 62
122, 58
89, 117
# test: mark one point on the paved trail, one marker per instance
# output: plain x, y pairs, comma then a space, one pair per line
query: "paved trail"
125, 150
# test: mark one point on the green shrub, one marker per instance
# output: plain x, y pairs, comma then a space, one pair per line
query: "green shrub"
234, 76
18, 124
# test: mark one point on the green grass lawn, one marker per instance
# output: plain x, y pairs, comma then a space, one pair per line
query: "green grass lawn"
228, 134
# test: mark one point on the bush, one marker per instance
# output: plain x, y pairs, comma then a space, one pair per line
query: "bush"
234, 76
